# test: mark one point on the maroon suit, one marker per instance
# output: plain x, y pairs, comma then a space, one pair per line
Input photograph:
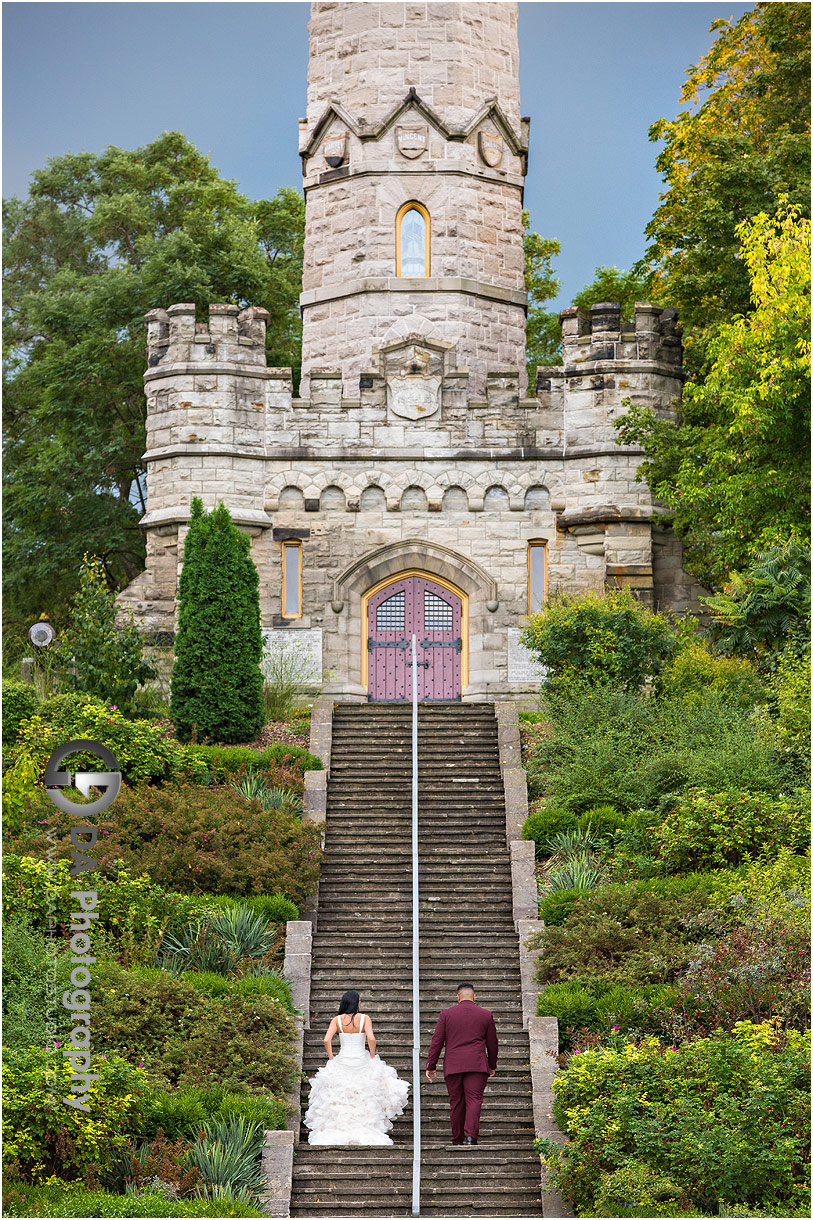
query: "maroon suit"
470, 1037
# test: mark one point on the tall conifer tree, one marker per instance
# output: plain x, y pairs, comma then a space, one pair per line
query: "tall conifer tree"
216, 680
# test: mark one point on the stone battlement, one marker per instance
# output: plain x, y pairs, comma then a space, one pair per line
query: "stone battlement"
599, 334
232, 335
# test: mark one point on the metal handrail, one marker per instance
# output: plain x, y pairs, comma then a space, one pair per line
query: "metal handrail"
416, 991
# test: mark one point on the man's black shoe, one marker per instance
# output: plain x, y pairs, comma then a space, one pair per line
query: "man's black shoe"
470, 1139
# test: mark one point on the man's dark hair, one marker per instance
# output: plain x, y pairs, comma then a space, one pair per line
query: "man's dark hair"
465, 987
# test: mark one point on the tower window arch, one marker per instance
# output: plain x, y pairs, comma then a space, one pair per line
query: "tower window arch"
412, 241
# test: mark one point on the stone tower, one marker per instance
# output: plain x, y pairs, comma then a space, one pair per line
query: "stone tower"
413, 486
414, 155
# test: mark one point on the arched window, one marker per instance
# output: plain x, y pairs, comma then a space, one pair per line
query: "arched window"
412, 241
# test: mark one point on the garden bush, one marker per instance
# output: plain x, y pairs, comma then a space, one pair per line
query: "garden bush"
757, 972
19, 702
609, 746
555, 907
225, 762
602, 820
25, 991
226, 941
179, 1114
724, 1118
543, 823
132, 909
186, 1037
606, 1007
766, 889
142, 749
276, 908
595, 639
41, 1139
695, 672
718, 829
216, 680
790, 689
194, 839
623, 935
637, 1190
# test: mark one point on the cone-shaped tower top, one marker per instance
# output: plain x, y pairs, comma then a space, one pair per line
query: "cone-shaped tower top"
414, 155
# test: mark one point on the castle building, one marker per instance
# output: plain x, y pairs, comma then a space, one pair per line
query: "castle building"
414, 486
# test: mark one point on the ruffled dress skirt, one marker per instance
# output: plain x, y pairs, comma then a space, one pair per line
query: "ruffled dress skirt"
353, 1100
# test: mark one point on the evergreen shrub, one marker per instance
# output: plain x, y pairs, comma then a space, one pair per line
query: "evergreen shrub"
637, 1190
555, 907
186, 1037
605, 1007
225, 762
19, 702
602, 820
625, 935
216, 679
195, 840
543, 823
27, 1201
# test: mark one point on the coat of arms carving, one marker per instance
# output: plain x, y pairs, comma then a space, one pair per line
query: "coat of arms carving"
334, 150
413, 397
411, 141
491, 147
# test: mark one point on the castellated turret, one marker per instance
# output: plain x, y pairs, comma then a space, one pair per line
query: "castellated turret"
413, 486
414, 157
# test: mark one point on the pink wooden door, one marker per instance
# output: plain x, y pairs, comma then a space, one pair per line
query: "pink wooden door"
414, 604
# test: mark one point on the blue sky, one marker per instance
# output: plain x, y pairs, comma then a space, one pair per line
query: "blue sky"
232, 77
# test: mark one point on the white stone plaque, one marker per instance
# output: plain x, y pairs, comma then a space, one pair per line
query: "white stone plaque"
411, 141
294, 653
413, 397
522, 665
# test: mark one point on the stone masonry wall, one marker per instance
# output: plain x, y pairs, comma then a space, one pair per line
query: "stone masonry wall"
459, 493
453, 54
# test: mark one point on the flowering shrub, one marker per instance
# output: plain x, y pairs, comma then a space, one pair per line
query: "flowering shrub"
41, 1138
712, 830
186, 1037
725, 1119
756, 971
766, 889
194, 840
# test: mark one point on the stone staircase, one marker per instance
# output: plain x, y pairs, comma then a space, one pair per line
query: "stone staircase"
363, 941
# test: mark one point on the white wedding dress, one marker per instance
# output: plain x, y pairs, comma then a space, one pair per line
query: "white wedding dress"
354, 1097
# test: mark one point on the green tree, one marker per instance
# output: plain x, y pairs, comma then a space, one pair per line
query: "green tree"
734, 466
742, 142
217, 686
101, 240
94, 655
610, 284
542, 330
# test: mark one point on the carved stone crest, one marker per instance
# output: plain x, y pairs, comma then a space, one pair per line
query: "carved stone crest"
411, 141
334, 150
491, 147
413, 397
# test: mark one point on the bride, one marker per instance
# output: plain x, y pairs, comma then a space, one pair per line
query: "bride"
355, 1096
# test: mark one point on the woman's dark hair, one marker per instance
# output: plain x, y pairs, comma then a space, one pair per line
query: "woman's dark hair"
349, 1002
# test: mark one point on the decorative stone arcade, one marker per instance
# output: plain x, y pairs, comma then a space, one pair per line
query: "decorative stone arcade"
414, 453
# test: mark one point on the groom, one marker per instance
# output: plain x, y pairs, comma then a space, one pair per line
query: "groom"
470, 1037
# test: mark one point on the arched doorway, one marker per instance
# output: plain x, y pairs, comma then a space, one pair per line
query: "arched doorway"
435, 612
